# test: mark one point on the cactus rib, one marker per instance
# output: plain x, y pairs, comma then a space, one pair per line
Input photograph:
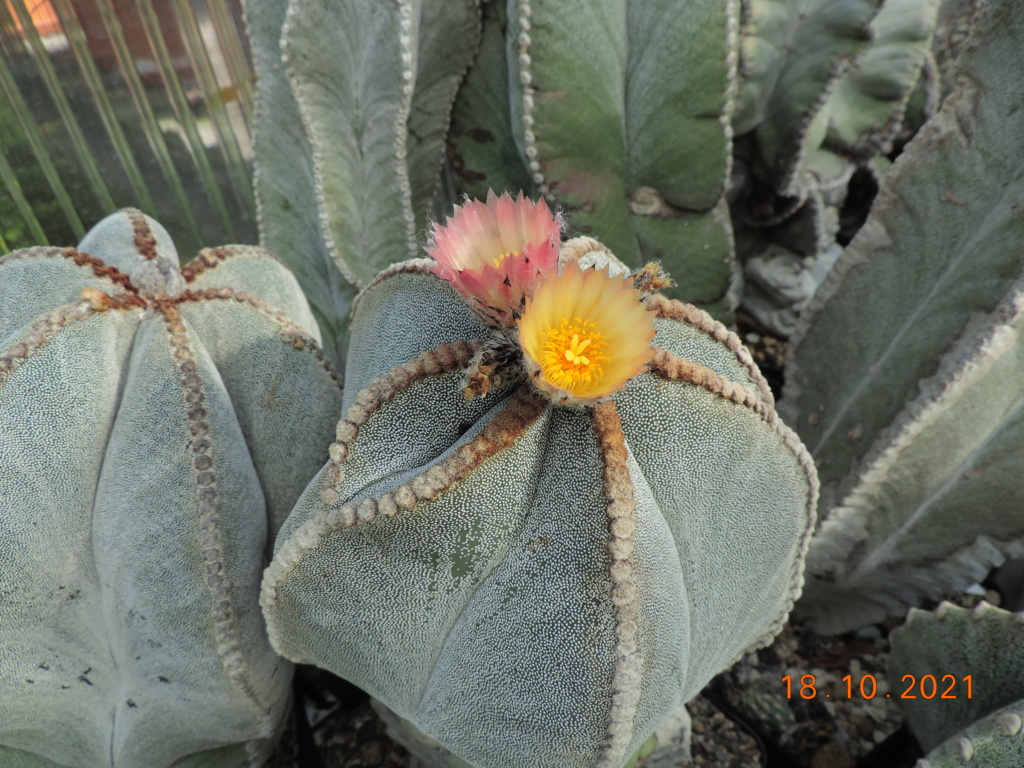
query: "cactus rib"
522, 410
700, 320
621, 511
444, 358
39, 333
290, 333
229, 647
670, 366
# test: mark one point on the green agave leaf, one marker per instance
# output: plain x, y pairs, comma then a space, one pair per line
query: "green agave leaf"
482, 151
284, 181
374, 83
986, 644
941, 244
791, 54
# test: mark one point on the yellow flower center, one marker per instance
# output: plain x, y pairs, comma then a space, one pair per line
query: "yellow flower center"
572, 355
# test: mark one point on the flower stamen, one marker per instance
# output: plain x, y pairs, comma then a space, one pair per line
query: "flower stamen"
562, 360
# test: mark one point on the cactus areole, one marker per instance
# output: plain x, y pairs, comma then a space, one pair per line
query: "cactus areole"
541, 531
156, 425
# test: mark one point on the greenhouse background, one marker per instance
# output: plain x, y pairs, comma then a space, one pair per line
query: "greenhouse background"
113, 103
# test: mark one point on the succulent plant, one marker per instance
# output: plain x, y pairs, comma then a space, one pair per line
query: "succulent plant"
391, 127
547, 572
284, 182
970, 710
826, 89
157, 424
915, 423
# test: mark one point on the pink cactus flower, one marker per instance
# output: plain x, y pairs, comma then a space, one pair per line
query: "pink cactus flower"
493, 252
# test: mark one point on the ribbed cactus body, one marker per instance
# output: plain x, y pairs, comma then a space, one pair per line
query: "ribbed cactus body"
976, 715
531, 583
156, 424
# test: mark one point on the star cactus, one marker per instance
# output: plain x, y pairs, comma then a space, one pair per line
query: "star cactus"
548, 572
157, 424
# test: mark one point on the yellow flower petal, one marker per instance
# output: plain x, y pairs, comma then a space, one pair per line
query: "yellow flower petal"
583, 334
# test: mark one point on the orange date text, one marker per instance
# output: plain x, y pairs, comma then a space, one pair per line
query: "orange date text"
866, 687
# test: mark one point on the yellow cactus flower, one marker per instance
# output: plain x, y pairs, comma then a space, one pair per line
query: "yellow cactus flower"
583, 334
493, 252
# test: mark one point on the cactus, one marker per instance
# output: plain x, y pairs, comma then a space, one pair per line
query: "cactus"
157, 424
636, 144
284, 182
980, 726
792, 56
915, 426
547, 572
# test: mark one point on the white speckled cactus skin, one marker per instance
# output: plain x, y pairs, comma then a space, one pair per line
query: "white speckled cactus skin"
985, 645
534, 585
156, 425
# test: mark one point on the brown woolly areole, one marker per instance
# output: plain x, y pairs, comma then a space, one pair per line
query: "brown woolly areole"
521, 411
442, 359
144, 239
39, 334
209, 258
413, 266
98, 267
621, 508
228, 648
290, 333
696, 318
96, 300
672, 367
